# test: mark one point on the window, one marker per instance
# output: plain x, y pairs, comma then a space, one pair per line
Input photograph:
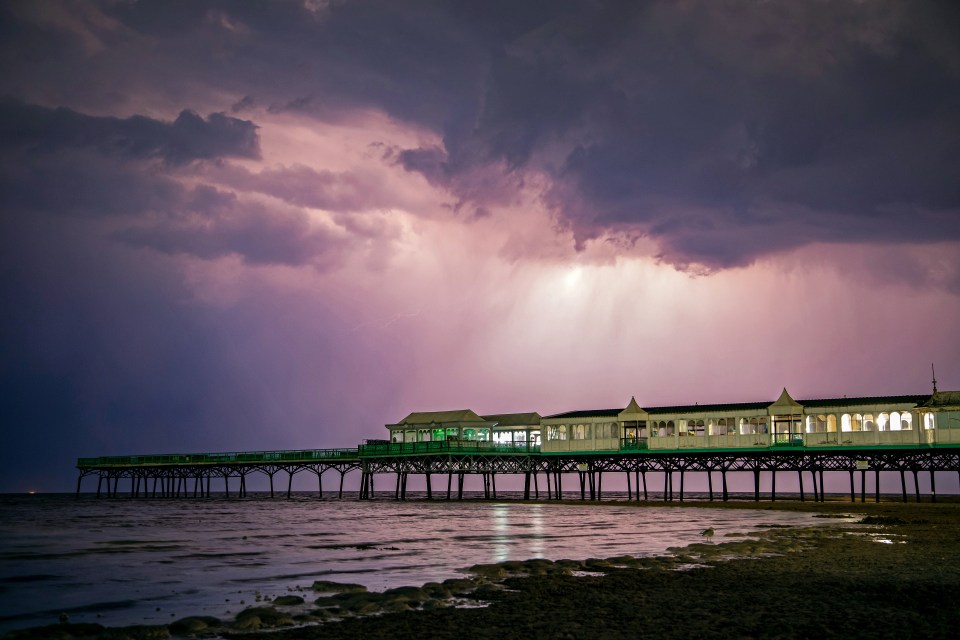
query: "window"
557, 432
846, 422
883, 422
906, 421
895, 422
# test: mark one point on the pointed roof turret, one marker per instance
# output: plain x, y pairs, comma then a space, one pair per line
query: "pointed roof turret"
943, 400
633, 411
785, 405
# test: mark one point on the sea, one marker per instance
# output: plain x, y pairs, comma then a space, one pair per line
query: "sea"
122, 561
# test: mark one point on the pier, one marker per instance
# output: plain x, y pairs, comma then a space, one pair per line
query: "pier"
445, 465
170, 475
857, 438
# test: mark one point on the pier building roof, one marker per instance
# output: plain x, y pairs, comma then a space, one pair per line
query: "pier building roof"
633, 411
692, 408
514, 419
939, 399
943, 399
441, 417
842, 402
590, 413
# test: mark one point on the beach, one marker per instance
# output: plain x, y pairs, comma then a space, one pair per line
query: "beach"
894, 573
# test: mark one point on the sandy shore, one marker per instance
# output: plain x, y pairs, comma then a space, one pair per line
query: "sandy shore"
896, 574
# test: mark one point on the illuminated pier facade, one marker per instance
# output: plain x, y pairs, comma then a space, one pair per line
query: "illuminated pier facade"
859, 437
872, 421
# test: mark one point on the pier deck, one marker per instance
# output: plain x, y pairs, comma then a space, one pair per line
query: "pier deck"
171, 473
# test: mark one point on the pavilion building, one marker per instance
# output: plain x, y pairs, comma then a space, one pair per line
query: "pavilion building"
865, 421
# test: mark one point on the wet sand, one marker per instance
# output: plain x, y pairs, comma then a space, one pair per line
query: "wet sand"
896, 573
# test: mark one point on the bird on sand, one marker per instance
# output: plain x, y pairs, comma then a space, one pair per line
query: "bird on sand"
707, 533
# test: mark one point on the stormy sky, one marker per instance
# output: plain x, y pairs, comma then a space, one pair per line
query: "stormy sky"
241, 226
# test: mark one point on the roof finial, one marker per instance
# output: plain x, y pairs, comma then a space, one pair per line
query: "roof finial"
934, 377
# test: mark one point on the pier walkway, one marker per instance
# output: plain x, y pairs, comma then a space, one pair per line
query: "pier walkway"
171, 475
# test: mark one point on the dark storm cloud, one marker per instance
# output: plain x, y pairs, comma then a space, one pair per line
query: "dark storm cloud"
223, 226
62, 162
83, 184
37, 129
723, 131
725, 137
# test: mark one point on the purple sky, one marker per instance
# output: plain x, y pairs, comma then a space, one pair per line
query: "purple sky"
282, 225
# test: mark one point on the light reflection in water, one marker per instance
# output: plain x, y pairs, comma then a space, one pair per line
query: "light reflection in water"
536, 542
501, 532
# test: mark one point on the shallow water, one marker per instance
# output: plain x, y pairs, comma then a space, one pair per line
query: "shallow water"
122, 561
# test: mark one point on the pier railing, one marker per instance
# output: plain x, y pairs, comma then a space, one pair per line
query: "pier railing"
238, 457
445, 446
787, 440
633, 444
